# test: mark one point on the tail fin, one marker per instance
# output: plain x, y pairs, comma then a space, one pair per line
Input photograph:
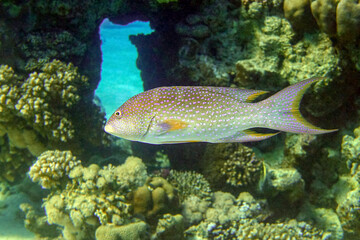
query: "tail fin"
282, 110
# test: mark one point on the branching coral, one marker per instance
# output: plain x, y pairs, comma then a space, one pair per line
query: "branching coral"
51, 167
242, 168
46, 94
9, 92
38, 113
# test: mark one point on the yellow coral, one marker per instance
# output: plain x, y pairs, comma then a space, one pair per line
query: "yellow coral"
51, 167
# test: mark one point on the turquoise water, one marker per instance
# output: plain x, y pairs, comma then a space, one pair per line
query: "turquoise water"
120, 78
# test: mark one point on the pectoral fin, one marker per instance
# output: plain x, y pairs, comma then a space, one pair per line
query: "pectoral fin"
170, 125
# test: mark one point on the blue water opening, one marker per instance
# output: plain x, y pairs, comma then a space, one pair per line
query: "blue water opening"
120, 78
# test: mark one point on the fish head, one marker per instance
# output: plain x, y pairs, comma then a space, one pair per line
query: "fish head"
130, 121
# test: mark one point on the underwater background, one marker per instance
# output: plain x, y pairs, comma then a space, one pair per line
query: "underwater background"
63, 177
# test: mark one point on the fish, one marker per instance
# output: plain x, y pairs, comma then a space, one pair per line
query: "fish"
183, 114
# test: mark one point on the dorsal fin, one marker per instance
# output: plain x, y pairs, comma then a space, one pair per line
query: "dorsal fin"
242, 95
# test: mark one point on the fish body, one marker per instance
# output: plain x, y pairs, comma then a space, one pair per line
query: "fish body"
209, 114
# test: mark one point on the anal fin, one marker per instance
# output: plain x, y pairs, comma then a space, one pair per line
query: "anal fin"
248, 136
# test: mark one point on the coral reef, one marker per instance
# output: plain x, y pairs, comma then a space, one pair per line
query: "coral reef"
262, 44
90, 196
102, 202
324, 12
285, 181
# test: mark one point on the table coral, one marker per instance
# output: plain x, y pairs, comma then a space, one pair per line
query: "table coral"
242, 168
51, 167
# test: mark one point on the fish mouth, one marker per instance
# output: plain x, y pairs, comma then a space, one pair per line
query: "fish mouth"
109, 129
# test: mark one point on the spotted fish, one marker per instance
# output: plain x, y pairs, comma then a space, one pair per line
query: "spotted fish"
210, 114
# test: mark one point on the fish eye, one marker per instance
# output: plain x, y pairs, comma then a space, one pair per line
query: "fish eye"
118, 113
